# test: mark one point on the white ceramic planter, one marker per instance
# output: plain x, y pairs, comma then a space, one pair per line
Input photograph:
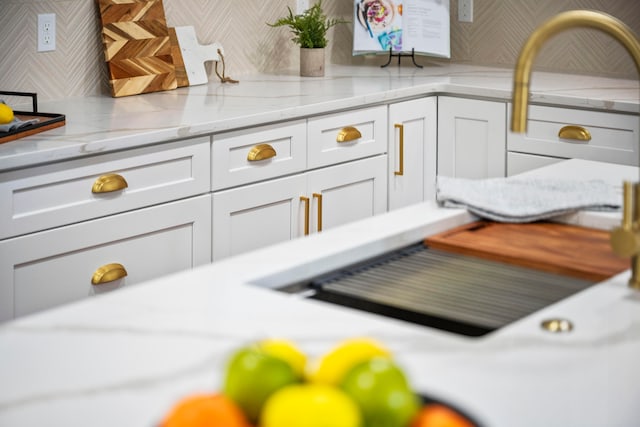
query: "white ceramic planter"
312, 62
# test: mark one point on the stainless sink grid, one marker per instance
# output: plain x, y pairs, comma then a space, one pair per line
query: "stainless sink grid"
454, 292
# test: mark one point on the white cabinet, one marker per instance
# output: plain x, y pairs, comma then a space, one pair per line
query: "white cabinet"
555, 133
49, 268
115, 219
261, 214
342, 179
413, 136
63, 193
471, 138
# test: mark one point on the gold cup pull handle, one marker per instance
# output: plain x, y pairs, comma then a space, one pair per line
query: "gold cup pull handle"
348, 134
261, 152
576, 133
108, 273
318, 196
305, 200
400, 128
108, 183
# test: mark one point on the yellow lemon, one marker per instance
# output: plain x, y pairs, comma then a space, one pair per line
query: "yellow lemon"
310, 405
287, 351
332, 367
6, 114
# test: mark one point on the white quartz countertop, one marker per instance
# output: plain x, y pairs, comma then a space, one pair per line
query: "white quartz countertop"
99, 124
122, 359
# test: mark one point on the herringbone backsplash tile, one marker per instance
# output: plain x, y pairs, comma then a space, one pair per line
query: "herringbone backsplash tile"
77, 66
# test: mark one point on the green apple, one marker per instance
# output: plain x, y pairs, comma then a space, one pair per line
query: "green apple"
252, 376
382, 392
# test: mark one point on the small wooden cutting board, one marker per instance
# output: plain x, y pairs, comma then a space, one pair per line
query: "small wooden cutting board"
137, 46
558, 248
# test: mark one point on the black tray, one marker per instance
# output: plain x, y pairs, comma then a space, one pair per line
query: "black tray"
46, 121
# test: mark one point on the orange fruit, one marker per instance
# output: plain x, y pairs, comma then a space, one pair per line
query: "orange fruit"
437, 415
205, 410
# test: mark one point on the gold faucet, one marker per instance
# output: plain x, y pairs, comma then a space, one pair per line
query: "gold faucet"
625, 239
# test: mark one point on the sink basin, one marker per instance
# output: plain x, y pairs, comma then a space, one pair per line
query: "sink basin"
453, 292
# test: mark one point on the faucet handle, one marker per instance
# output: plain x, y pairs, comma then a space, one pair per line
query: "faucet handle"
625, 240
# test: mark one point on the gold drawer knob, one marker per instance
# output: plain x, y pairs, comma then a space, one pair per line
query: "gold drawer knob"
347, 134
108, 273
261, 152
577, 133
108, 183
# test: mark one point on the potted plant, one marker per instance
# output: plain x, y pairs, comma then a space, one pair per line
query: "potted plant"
310, 33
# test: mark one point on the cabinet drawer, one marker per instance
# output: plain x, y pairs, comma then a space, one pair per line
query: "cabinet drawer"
283, 146
324, 145
54, 267
49, 196
614, 137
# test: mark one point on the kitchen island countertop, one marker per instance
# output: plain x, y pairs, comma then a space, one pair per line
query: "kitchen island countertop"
124, 358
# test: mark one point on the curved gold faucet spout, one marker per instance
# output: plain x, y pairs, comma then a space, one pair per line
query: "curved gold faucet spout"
563, 21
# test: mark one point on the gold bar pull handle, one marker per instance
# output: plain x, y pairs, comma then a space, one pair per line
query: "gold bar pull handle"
261, 152
348, 134
400, 127
109, 183
108, 273
318, 196
576, 133
305, 200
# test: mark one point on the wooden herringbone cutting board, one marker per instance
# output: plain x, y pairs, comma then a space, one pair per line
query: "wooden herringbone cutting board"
137, 46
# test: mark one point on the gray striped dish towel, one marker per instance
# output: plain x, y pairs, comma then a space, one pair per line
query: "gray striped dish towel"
520, 199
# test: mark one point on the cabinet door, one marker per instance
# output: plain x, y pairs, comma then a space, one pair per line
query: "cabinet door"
471, 138
53, 267
347, 192
257, 215
412, 160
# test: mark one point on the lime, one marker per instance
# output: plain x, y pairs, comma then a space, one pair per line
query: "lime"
382, 392
205, 410
287, 351
331, 367
310, 405
6, 114
252, 376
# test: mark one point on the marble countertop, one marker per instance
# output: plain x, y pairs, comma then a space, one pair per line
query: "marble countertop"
123, 358
99, 124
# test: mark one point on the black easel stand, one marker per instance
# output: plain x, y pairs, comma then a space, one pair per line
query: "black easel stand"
400, 55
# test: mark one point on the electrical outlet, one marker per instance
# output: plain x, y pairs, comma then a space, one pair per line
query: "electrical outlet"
301, 6
465, 10
46, 32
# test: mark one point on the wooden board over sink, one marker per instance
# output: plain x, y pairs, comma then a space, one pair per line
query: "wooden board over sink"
558, 248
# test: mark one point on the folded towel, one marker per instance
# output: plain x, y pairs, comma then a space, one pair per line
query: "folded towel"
519, 199
16, 123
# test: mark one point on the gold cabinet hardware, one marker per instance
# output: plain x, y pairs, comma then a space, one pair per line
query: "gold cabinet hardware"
108, 273
108, 183
305, 200
577, 133
261, 152
318, 196
400, 127
348, 134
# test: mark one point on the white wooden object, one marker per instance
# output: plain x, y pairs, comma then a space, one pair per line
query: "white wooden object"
471, 138
417, 120
61, 193
54, 267
257, 215
613, 136
194, 55
521, 162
